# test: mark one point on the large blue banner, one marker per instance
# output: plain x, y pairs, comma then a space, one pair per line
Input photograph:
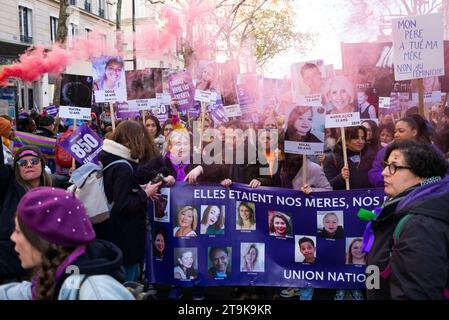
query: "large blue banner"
209, 235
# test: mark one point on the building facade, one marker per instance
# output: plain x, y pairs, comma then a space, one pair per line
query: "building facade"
145, 13
28, 23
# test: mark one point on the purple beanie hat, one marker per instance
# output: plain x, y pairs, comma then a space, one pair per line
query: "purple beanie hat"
56, 215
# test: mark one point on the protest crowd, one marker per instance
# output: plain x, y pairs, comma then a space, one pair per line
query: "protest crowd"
85, 201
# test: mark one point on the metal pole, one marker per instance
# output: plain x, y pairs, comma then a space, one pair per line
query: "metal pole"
134, 33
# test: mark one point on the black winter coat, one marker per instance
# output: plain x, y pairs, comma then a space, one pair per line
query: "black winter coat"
358, 171
420, 256
379, 255
10, 194
126, 226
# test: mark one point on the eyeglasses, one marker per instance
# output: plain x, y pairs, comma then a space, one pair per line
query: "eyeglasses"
168, 129
393, 167
33, 161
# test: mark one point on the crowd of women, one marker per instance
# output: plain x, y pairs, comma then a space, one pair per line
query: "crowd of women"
45, 229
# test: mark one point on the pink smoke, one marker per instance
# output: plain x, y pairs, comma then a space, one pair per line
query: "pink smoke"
38, 61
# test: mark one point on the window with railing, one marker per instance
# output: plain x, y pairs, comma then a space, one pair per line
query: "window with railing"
53, 28
73, 2
87, 5
101, 8
25, 25
72, 33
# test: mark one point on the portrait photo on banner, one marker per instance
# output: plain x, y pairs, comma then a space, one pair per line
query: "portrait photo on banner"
143, 84
354, 253
245, 216
252, 257
330, 224
339, 95
161, 206
219, 264
367, 102
206, 76
304, 130
307, 80
280, 224
185, 222
109, 79
185, 263
159, 243
212, 219
305, 249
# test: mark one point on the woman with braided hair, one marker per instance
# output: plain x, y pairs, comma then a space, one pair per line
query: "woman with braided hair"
54, 236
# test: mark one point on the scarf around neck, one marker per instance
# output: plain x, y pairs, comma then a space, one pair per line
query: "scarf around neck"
118, 150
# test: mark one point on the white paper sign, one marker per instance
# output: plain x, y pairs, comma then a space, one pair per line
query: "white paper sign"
340, 120
110, 95
384, 102
163, 98
232, 110
309, 148
142, 104
418, 47
70, 112
205, 96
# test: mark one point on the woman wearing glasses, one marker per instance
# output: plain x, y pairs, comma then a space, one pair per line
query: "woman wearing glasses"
28, 172
414, 265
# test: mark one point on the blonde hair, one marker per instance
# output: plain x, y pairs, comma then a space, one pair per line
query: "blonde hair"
343, 81
195, 215
174, 135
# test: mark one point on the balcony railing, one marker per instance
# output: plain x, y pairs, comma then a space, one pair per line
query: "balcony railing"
101, 12
87, 6
26, 39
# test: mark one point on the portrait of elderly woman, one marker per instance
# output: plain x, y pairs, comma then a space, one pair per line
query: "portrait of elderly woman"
338, 93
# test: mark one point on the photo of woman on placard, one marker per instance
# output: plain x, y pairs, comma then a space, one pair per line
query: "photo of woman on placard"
339, 95
207, 77
140, 84
252, 257
159, 244
280, 224
212, 220
112, 75
354, 253
187, 221
331, 226
246, 216
300, 123
186, 262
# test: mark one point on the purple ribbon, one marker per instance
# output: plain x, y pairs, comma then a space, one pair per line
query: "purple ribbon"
368, 235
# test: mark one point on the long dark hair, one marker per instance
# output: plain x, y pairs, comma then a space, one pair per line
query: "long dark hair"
291, 133
134, 135
44, 179
52, 257
415, 121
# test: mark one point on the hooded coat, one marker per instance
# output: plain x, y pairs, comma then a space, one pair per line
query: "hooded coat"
100, 276
420, 256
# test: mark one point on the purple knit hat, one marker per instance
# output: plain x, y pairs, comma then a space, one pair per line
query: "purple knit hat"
57, 216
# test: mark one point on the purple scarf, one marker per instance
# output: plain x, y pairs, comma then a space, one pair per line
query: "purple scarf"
179, 168
80, 250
